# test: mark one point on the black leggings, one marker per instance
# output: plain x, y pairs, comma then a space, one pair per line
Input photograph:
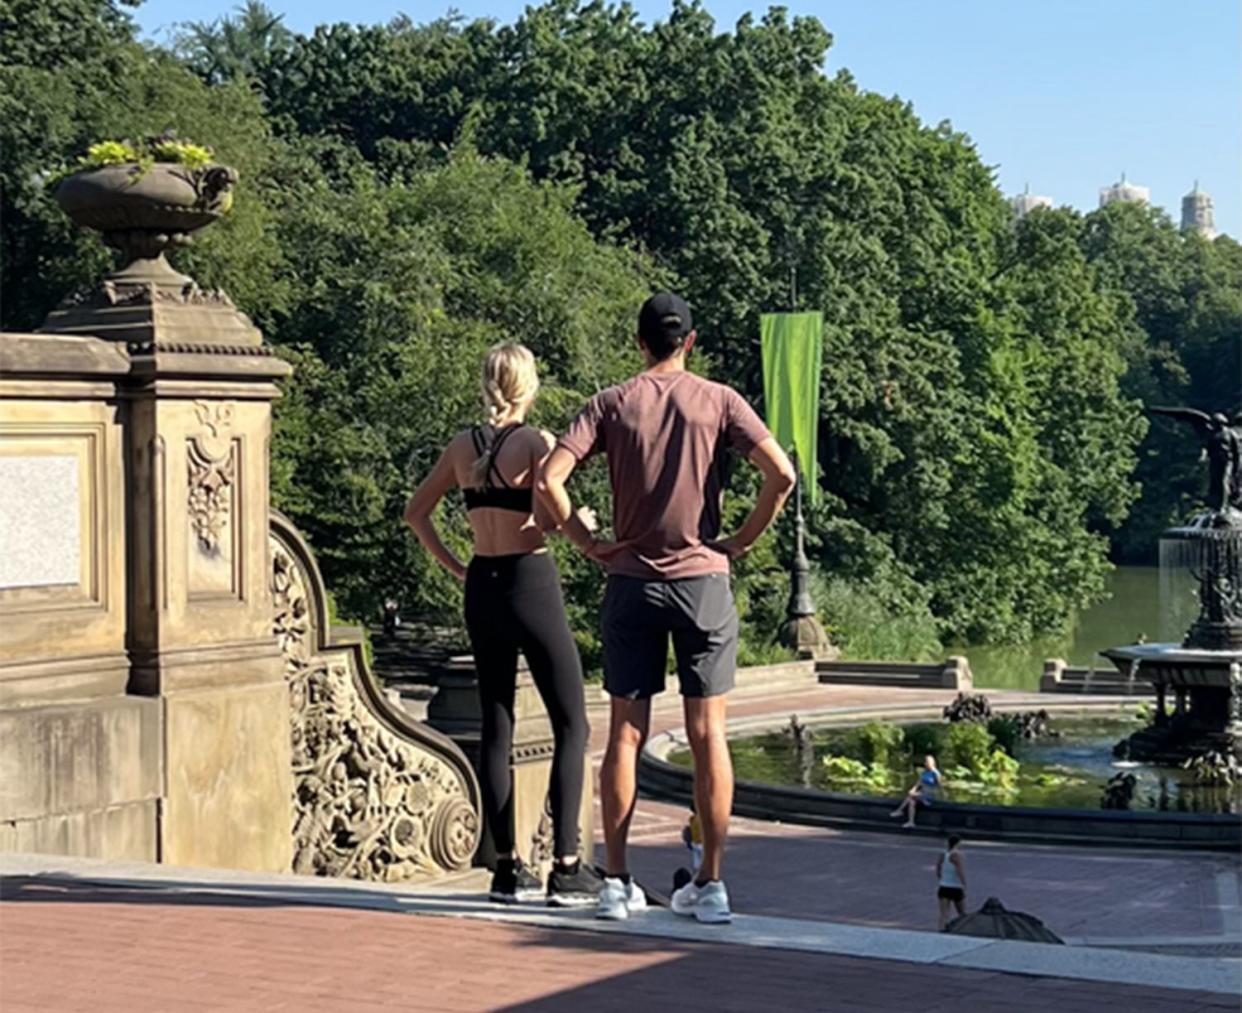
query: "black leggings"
514, 603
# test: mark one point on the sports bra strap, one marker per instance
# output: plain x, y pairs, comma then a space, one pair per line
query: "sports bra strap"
494, 450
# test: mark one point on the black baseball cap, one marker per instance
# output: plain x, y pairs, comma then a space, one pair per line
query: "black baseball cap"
664, 321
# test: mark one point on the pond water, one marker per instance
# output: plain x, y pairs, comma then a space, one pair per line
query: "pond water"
1068, 771
1133, 609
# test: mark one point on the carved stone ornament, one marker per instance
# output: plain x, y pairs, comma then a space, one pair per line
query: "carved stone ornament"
369, 802
542, 841
212, 471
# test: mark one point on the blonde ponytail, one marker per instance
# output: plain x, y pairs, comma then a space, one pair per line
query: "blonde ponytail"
509, 384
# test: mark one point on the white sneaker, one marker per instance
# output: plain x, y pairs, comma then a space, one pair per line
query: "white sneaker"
619, 900
708, 904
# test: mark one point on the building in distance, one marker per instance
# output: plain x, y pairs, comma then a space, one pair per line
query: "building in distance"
1197, 213
1026, 202
1124, 190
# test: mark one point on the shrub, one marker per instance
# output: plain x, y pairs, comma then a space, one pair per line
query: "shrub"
924, 739
1005, 731
846, 770
877, 742
967, 744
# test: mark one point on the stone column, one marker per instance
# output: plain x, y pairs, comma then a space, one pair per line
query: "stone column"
199, 603
81, 763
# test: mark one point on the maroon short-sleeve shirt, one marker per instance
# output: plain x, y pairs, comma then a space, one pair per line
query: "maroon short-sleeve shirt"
666, 436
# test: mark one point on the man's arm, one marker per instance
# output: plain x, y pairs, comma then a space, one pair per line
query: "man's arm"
778, 481
553, 497
580, 524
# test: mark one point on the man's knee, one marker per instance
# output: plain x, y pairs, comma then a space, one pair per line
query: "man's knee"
627, 730
705, 722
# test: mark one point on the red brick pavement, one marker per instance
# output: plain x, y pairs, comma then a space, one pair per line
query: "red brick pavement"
73, 946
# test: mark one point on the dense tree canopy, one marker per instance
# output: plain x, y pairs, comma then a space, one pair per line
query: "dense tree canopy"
413, 193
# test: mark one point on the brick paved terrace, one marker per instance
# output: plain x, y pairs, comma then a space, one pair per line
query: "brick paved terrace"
68, 945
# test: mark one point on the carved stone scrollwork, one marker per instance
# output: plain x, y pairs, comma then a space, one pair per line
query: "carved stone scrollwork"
542, 842
212, 471
371, 801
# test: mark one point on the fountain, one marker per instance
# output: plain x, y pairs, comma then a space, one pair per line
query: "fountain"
1204, 671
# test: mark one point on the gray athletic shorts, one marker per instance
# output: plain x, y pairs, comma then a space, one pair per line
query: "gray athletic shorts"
639, 617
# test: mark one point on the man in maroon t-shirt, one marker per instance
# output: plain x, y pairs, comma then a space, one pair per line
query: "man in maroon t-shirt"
666, 434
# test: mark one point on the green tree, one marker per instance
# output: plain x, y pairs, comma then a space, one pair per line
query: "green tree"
1183, 295
103, 84
234, 46
736, 163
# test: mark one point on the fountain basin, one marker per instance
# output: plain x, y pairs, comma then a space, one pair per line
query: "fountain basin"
661, 778
1173, 664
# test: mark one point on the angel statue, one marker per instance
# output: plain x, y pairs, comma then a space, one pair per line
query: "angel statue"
1222, 445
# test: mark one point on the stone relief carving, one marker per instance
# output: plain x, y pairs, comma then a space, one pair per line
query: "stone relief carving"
368, 803
542, 842
212, 471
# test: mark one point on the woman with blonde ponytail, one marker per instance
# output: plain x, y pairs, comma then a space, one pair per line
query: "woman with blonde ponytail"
514, 603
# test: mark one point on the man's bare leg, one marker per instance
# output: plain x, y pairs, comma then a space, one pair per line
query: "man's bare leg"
618, 776
713, 777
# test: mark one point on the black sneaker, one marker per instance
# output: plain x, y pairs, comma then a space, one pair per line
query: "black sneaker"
577, 887
513, 882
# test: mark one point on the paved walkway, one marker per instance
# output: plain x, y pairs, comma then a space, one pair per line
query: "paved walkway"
1161, 901
82, 942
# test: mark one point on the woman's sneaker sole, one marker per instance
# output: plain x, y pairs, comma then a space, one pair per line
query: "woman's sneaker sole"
573, 900
514, 898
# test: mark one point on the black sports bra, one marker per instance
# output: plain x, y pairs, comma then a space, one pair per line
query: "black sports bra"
502, 496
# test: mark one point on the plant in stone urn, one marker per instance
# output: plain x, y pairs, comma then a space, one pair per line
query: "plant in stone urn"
145, 198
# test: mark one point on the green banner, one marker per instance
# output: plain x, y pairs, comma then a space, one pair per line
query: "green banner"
793, 347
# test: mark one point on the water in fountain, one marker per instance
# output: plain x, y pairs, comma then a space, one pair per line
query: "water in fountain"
1179, 595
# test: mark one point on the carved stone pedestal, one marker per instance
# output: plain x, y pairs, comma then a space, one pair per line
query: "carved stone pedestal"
454, 710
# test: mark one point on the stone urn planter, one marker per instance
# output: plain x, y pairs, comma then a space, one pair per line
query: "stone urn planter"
143, 211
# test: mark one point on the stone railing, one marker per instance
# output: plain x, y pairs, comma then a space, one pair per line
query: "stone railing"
376, 794
1060, 677
952, 673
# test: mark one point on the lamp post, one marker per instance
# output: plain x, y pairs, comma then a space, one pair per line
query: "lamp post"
802, 631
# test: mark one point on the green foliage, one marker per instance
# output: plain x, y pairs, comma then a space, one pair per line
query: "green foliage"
1182, 302
411, 194
1056, 779
141, 154
861, 624
924, 740
98, 83
232, 47
847, 771
953, 368
967, 744
970, 754
1005, 731
877, 742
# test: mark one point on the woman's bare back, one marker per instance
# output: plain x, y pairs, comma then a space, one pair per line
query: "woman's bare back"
498, 531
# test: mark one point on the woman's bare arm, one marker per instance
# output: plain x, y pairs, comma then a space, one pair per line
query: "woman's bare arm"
418, 512
958, 864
